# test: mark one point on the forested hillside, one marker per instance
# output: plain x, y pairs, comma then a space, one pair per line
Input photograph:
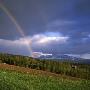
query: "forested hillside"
65, 68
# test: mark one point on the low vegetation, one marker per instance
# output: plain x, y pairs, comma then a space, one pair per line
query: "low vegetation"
64, 68
13, 80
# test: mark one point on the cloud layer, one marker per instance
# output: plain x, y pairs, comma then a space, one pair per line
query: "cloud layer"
39, 40
54, 26
49, 37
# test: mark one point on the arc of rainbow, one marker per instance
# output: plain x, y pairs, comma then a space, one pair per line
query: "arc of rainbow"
19, 29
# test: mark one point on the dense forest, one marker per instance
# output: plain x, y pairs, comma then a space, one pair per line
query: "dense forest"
65, 68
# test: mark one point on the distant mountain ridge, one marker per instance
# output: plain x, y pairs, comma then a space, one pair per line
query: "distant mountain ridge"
63, 57
59, 56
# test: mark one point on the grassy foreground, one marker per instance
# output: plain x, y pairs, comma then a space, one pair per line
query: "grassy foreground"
12, 80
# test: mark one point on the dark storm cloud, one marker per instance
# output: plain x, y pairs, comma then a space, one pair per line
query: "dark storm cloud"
83, 7
70, 18
34, 15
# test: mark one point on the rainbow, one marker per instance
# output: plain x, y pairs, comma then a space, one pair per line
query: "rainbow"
19, 29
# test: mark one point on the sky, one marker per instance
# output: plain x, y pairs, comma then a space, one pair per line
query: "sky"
46, 26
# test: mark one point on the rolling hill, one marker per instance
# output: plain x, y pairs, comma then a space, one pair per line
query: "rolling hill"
20, 78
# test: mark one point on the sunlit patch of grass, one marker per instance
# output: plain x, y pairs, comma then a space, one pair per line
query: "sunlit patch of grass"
19, 81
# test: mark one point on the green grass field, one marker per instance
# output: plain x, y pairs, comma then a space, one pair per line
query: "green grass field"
12, 80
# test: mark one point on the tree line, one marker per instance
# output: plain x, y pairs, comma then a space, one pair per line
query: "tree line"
64, 68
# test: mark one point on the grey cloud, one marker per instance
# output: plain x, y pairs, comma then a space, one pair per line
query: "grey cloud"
71, 18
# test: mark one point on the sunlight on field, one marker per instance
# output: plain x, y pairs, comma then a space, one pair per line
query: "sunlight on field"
19, 81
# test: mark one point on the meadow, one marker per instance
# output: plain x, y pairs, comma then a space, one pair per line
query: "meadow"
26, 73
13, 80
